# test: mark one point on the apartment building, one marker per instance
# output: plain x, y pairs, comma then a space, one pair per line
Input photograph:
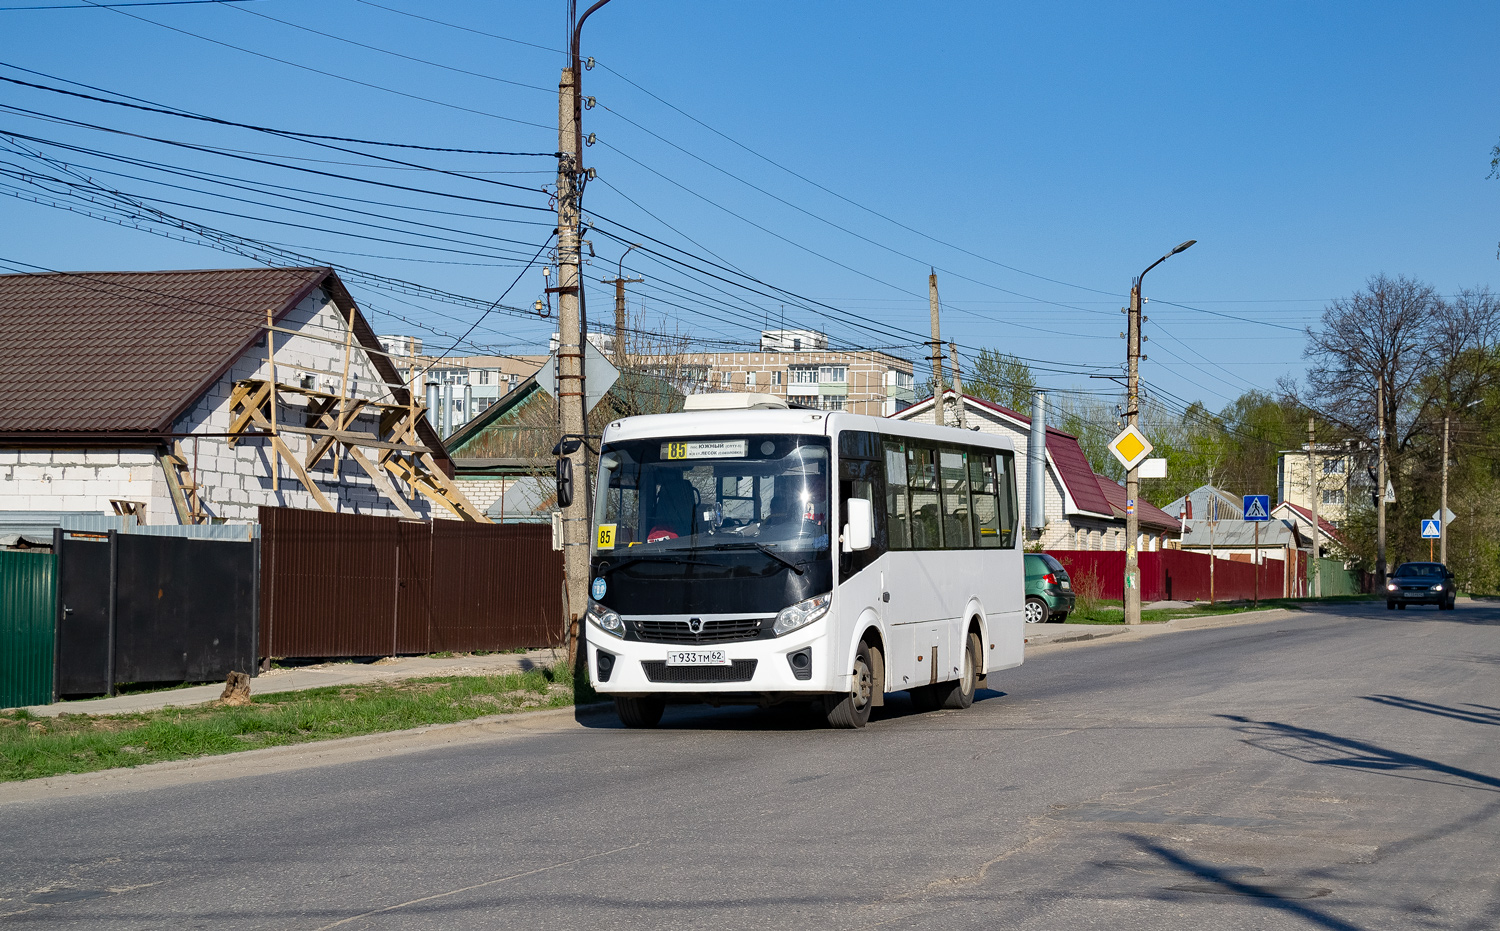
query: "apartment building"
797, 365
457, 388
1339, 473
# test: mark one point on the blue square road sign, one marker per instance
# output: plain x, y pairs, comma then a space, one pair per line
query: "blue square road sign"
1431, 529
1258, 507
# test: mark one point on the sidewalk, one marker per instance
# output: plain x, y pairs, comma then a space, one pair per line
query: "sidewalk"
311, 677
1041, 635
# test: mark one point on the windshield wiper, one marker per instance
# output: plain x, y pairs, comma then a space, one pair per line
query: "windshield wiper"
754, 545
663, 557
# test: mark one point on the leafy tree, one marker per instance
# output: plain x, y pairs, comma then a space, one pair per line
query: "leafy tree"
1001, 379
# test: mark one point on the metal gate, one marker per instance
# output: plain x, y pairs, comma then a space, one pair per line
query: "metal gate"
143, 608
28, 608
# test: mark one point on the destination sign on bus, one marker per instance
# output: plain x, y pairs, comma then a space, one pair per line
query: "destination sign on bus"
705, 449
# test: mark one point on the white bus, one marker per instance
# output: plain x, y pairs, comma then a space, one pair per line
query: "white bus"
769, 555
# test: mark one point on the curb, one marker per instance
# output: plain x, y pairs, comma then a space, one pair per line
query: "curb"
265, 759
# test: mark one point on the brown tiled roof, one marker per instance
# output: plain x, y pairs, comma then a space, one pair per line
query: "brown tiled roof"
129, 351
88, 356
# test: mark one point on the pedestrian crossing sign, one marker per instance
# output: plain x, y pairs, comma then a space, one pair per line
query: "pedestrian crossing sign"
1431, 529
1257, 507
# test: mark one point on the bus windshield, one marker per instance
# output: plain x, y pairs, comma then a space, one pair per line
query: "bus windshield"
669, 495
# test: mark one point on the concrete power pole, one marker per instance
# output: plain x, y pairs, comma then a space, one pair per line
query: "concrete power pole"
571, 411
1316, 491
937, 351
1380, 481
620, 284
1443, 507
1132, 477
958, 388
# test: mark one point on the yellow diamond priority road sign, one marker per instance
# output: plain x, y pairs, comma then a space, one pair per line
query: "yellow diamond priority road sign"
1130, 447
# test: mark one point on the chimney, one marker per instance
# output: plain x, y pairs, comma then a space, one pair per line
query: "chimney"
1036, 465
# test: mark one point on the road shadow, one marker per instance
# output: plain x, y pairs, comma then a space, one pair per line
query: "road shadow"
1221, 880
1443, 711
1321, 748
787, 716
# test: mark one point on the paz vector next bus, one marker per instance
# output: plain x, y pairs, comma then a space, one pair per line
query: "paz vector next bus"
747, 553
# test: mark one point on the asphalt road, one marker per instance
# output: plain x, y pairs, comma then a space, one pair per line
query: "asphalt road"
1334, 770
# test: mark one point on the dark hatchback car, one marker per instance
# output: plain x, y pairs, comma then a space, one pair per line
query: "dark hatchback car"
1421, 583
1049, 591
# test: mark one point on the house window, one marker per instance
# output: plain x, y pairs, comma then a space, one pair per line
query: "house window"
1333, 496
484, 376
829, 403
749, 379
1333, 466
726, 379
776, 378
802, 375
833, 374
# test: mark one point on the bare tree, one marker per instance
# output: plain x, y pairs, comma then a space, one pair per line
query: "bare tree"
1382, 333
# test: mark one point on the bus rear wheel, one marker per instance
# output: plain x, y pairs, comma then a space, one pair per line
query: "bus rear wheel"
640, 712
852, 710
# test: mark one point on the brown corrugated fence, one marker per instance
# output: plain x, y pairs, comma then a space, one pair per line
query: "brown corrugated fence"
356, 585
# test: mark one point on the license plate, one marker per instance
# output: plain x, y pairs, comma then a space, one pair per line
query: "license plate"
1067, 584
697, 658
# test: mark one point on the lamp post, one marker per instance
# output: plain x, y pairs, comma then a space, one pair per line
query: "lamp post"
1132, 413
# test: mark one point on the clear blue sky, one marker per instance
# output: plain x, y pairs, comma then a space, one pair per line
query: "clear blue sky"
1306, 147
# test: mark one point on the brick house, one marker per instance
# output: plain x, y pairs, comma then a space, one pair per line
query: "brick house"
152, 394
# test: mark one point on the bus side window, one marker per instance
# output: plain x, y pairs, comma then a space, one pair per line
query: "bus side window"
986, 501
955, 484
898, 523
926, 521
1006, 489
860, 479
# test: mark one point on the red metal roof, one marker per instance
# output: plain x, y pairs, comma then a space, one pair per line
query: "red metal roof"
1149, 514
1306, 514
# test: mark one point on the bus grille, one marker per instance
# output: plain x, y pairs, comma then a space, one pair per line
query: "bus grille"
713, 631
658, 671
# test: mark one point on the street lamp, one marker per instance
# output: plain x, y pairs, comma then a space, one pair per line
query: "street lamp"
1132, 413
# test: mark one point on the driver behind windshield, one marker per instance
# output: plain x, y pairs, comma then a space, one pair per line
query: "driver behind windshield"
676, 504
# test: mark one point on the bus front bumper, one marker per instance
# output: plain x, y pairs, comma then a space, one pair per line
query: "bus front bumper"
763, 668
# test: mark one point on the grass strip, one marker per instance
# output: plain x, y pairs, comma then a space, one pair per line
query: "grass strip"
32, 747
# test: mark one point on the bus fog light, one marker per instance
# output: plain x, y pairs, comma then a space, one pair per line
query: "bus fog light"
801, 663
605, 619
606, 665
801, 614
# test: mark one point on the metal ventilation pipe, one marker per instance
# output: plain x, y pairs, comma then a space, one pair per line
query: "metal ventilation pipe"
434, 406
447, 415
1036, 465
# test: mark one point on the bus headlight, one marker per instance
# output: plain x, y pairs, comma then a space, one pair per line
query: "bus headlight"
605, 619
801, 614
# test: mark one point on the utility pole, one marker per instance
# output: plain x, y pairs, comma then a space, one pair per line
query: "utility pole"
1132, 477
1315, 484
937, 350
1380, 481
958, 387
1132, 415
1443, 508
571, 179
620, 281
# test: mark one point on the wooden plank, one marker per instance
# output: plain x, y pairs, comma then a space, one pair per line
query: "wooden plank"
384, 484
461, 503
322, 445
271, 364
301, 473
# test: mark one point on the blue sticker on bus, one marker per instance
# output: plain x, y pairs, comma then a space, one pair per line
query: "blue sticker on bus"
598, 588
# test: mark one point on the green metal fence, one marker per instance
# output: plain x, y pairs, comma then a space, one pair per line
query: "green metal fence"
28, 613
1336, 580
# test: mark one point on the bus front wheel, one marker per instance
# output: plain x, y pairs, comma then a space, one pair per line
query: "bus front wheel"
852, 710
645, 711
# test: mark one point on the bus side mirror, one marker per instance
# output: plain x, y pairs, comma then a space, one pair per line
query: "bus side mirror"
564, 482
860, 529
